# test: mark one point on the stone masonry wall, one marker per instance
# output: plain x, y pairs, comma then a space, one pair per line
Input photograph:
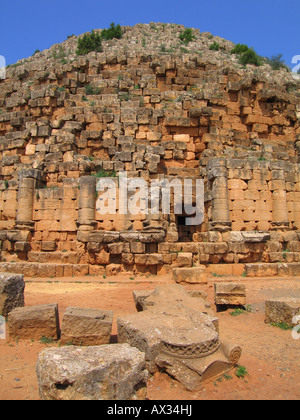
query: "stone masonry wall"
155, 114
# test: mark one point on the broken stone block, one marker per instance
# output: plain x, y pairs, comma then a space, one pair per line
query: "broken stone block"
86, 327
178, 333
12, 288
230, 294
147, 331
185, 259
139, 297
110, 372
282, 310
34, 322
141, 304
195, 275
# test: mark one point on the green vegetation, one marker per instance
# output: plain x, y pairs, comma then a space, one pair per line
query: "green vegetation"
246, 55
282, 326
240, 49
88, 43
187, 36
241, 372
277, 63
46, 340
90, 90
250, 57
215, 46
36, 51
112, 32
93, 41
105, 174
59, 53
240, 311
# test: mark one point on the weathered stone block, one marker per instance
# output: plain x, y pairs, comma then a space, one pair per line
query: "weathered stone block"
185, 259
230, 294
111, 372
195, 275
34, 322
86, 327
12, 288
282, 310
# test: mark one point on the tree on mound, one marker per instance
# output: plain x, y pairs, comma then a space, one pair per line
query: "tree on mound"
112, 32
93, 41
88, 43
246, 55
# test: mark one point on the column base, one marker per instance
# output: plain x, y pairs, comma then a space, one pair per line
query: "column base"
25, 225
281, 226
220, 226
86, 225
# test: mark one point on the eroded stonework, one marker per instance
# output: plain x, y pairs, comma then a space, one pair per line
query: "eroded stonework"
164, 114
179, 334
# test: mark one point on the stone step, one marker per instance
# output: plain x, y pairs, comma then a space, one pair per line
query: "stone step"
183, 172
284, 257
54, 257
272, 269
30, 269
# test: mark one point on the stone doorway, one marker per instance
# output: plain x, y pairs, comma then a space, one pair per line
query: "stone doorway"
185, 232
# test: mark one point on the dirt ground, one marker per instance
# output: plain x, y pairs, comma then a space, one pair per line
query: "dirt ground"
270, 355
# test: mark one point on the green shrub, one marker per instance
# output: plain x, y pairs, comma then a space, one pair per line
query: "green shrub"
59, 53
112, 32
246, 55
215, 46
88, 43
105, 174
240, 49
90, 90
187, 36
250, 57
241, 372
277, 63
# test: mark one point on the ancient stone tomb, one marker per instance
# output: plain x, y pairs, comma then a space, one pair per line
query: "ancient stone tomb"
154, 116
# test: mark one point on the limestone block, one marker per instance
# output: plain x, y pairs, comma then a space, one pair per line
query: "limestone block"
282, 310
230, 294
195, 275
34, 322
149, 259
185, 259
12, 288
86, 327
109, 372
22, 246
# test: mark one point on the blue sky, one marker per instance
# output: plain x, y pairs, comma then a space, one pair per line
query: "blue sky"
270, 26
